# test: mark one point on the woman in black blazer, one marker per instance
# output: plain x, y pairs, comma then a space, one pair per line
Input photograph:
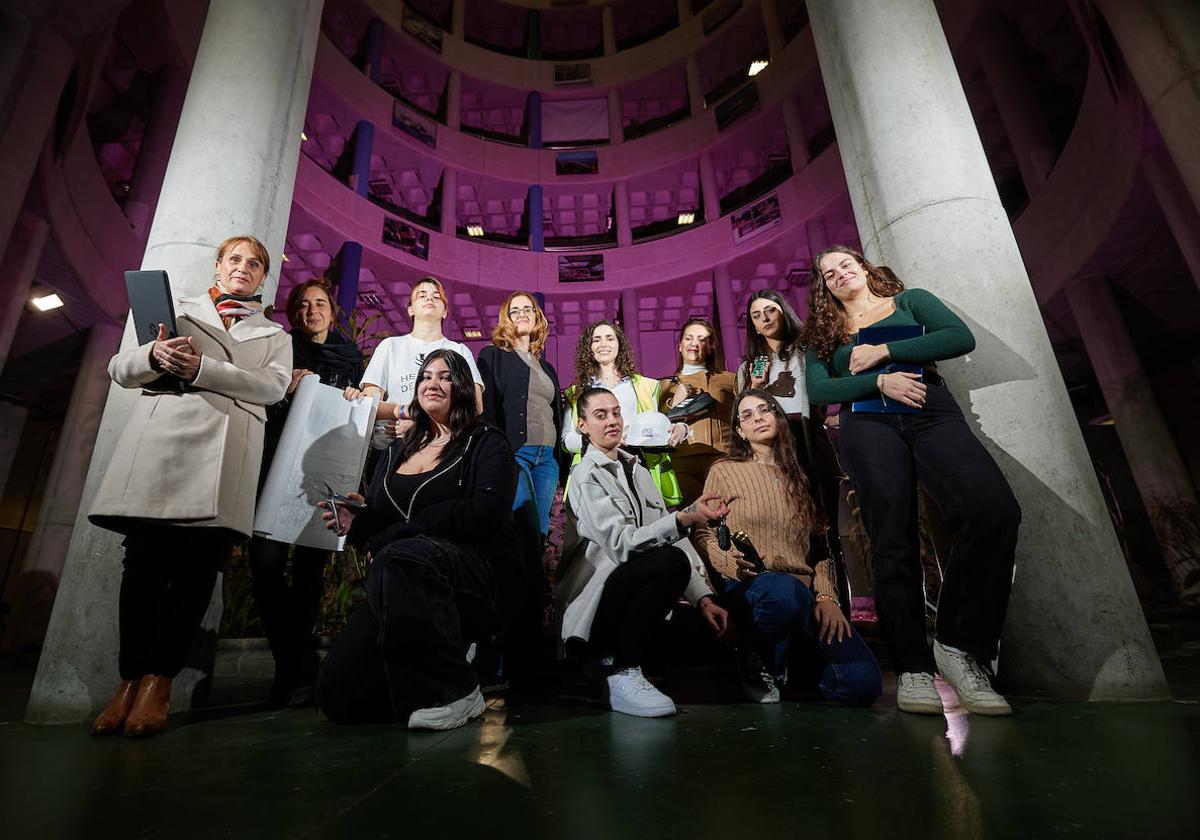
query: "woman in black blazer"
521, 397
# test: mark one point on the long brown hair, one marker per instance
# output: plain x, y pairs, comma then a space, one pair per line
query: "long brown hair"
783, 451
827, 327
504, 335
712, 361
790, 342
586, 367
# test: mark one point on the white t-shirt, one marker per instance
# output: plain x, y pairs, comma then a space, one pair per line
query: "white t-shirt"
397, 359
785, 382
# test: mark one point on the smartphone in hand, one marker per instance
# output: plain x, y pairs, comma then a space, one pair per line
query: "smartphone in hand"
759, 366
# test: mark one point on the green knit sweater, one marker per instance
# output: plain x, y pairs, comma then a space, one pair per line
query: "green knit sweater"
946, 336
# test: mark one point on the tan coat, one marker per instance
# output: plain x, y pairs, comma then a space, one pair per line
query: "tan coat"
193, 458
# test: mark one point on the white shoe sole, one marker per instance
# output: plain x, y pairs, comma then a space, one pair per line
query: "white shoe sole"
657, 711
976, 709
920, 707
445, 719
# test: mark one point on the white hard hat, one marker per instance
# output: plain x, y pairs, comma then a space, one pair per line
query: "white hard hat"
650, 428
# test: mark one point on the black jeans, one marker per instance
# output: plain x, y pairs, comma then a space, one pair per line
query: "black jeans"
635, 601
405, 648
819, 461
886, 455
288, 610
166, 585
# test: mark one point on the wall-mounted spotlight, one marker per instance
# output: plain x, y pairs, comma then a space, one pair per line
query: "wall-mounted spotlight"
46, 302
472, 332
757, 66
474, 230
303, 137
686, 217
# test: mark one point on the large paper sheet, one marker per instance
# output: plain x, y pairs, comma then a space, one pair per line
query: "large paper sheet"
325, 440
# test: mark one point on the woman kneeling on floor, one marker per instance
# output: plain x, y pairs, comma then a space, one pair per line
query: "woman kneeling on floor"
785, 611
437, 528
626, 560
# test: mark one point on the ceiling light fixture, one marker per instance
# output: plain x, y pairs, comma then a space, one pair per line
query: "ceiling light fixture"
757, 67
44, 303
472, 332
474, 230
686, 217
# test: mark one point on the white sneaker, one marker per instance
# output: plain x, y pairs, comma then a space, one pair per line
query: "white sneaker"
916, 694
630, 693
448, 717
969, 681
756, 681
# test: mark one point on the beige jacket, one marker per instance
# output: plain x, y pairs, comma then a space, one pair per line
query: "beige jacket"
193, 458
605, 527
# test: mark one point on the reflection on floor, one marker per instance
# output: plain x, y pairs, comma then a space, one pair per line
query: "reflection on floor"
576, 771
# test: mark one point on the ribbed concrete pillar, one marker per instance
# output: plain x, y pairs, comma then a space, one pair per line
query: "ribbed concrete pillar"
727, 316
151, 166
927, 206
35, 65
1160, 41
449, 221
1182, 216
608, 26
218, 183
621, 208
42, 567
797, 137
1008, 80
708, 186
17, 268
454, 100
1159, 472
695, 88
616, 118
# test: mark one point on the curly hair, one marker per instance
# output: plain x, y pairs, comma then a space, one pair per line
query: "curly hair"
586, 367
504, 335
783, 451
296, 298
790, 341
712, 360
827, 327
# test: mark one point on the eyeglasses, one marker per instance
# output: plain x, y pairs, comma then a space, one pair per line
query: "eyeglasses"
763, 410
524, 310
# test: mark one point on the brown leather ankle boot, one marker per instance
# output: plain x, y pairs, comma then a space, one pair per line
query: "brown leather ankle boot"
150, 709
111, 719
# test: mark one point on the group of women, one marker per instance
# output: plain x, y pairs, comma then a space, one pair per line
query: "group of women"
727, 506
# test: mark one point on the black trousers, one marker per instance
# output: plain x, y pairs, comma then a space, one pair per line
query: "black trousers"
886, 455
166, 585
405, 648
819, 461
289, 609
634, 603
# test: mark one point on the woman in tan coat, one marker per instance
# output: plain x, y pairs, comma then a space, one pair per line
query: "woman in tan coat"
181, 483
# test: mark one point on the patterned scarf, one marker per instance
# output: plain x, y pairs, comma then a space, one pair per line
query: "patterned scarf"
233, 308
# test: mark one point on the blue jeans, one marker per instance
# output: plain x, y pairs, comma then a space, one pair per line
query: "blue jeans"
537, 479
780, 609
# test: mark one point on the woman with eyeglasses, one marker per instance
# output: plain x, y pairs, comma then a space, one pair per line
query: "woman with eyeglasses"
521, 397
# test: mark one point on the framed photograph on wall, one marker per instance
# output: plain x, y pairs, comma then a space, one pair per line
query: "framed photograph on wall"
580, 268
422, 28
576, 163
754, 218
407, 238
410, 122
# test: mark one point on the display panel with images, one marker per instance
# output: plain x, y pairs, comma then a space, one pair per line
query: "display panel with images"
422, 28
404, 236
410, 122
580, 268
755, 218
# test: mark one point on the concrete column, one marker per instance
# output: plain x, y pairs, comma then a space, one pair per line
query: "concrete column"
621, 208
449, 222
12, 421
927, 206
708, 187
727, 316
152, 159
684, 9
616, 119
817, 235
533, 118
43, 564
349, 266
218, 183
374, 36
360, 163
454, 100
1159, 472
797, 137
17, 268
533, 34
629, 322
37, 64
695, 88
458, 18
775, 40
1008, 80
537, 236
1160, 41
608, 28
1181, 215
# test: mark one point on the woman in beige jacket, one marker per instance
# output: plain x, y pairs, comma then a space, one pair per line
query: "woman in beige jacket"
182, 479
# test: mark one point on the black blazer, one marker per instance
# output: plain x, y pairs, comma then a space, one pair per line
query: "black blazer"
506, 393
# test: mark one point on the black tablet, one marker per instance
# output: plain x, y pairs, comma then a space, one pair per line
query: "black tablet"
150, 303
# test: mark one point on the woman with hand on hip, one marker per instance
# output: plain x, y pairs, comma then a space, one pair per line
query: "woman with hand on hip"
521, 397
887, 453
626, 560
181, 482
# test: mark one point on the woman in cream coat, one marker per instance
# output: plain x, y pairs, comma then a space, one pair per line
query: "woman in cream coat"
181, 483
